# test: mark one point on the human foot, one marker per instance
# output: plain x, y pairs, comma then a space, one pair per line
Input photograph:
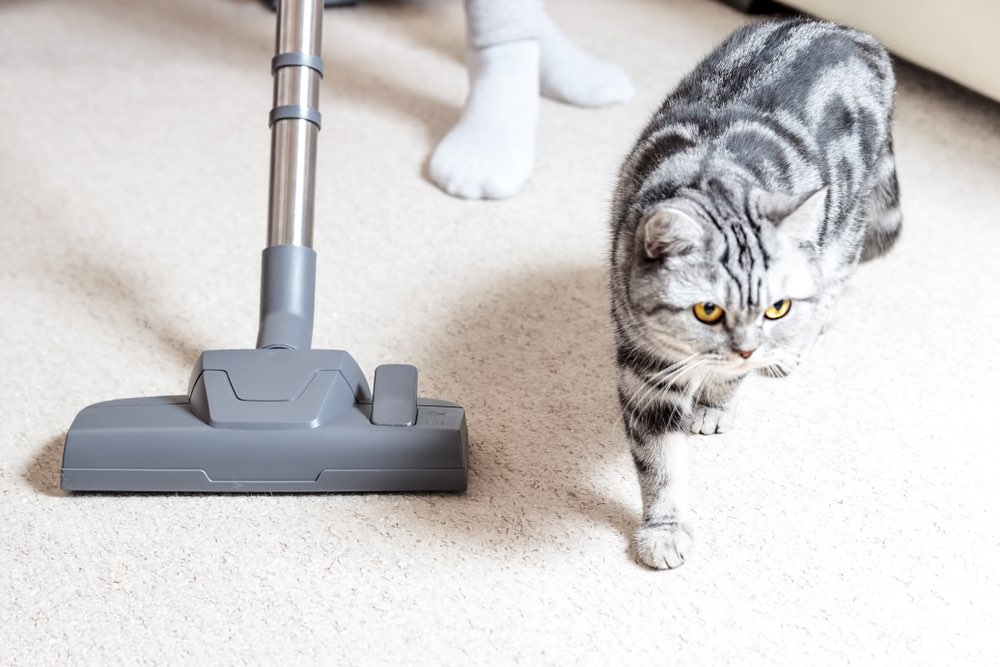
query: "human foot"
490, 151
570, 74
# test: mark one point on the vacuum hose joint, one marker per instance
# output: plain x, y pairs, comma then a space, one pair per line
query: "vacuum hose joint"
287, 297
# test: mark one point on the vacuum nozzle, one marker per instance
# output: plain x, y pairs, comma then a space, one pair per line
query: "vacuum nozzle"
273, 420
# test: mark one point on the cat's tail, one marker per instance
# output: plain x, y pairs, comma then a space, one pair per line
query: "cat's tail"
885, 217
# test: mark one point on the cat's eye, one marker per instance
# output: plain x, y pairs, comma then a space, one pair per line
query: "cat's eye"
778, 309
708, 313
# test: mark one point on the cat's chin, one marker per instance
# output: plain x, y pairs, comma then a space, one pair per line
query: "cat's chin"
729, 370
736, 368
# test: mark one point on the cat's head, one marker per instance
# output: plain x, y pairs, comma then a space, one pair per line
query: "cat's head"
738, 291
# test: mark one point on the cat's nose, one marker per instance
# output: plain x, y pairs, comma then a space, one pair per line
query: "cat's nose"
745, 353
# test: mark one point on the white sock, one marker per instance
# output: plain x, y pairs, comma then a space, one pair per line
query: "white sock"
570, 74
490, 152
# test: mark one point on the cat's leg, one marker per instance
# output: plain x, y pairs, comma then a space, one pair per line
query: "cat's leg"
490, 151
665, 537
885, 218
658, 440
570, 74
715, 407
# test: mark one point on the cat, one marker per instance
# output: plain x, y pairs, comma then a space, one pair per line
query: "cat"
748, 201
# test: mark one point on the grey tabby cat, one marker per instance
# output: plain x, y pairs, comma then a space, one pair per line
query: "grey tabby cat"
745, 206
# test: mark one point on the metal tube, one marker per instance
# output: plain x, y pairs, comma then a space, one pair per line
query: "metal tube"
288, 274
293, 140
293, 183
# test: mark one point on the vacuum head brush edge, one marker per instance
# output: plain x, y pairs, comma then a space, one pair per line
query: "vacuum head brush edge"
273, 421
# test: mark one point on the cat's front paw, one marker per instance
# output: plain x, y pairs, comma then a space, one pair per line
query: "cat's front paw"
709, 421
663, 544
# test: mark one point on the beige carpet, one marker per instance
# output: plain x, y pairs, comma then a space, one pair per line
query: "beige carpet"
852, 518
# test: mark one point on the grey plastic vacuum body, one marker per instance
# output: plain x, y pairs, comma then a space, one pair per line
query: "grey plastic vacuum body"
282, 417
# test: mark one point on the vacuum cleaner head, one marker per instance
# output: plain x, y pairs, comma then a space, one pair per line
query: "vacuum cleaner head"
282, 417
274, 420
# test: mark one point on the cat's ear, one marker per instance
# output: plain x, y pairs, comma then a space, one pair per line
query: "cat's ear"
668, 231
799, 216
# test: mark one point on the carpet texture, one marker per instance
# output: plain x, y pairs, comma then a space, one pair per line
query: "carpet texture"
850, 518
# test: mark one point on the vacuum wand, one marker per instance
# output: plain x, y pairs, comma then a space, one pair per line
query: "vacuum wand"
288, 268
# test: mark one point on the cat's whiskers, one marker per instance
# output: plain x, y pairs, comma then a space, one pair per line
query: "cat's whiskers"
662, 385
694, 390
659, 376
664, 381
788, 359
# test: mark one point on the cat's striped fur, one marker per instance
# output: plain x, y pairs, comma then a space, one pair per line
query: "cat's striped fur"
767, 175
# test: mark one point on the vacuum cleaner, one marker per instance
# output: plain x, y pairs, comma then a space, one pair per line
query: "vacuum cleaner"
282, 417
